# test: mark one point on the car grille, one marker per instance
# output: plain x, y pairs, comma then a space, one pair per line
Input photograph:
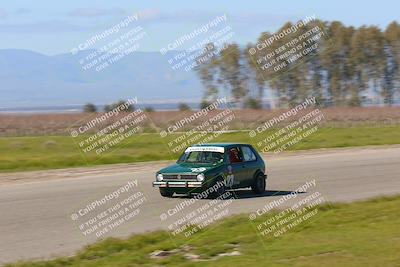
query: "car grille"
179, 177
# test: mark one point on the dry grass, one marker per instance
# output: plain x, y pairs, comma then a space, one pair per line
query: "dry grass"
58, 124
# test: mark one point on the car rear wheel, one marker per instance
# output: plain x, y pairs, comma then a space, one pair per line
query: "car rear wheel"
258, 185
166, 193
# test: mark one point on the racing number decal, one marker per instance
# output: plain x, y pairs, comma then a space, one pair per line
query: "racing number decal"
230, 178
202, 169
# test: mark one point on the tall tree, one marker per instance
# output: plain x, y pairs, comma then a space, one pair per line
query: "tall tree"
233, 73
348, 65
392, 64
367, 50
207, 68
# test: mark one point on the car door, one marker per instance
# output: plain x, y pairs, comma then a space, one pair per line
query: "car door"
236, 171
250, 165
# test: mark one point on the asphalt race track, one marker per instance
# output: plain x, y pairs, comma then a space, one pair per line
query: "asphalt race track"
35, 217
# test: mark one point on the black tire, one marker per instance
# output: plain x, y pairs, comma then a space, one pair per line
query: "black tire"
258, 185
166, 193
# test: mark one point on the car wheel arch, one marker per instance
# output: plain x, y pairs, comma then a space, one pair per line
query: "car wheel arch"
257, 172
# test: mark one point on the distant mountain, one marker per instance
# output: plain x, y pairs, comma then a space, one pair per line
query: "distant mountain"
33, 79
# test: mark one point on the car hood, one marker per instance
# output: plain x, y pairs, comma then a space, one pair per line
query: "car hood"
188, 168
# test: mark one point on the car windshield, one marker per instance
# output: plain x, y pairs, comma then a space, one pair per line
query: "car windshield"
201, 157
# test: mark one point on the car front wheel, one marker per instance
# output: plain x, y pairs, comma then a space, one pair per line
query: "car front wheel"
258, 185
166, 193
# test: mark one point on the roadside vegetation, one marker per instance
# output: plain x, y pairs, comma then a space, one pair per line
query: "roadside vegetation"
357, 234
49, 152
350, 66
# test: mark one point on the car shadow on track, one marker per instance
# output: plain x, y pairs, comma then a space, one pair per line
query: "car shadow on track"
241, 194
246, 193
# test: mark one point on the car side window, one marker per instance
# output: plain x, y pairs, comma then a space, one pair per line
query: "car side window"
248, 154
234, 155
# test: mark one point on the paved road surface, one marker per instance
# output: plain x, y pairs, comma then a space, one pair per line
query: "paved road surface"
35, 217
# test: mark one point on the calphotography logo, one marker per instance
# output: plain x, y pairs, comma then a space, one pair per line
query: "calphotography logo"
111, 211
201, 133
293, 44
202, 126
115, 43
198, 46
109, 131
291, 211
289, 128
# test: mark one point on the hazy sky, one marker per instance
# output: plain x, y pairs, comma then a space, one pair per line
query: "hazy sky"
53, 27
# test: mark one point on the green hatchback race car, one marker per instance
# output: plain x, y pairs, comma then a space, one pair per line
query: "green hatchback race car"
213, 168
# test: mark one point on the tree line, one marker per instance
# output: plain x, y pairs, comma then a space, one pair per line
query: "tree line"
92, 108
351, 66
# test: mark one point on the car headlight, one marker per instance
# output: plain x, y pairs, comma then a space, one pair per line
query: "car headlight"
159, 177
200, 177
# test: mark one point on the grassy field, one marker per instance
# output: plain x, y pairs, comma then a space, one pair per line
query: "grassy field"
357, 234
60, 123
49, 152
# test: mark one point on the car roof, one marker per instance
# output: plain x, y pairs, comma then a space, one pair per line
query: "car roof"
221, 144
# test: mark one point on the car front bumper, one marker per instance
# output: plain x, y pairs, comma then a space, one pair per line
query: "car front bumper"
178, 184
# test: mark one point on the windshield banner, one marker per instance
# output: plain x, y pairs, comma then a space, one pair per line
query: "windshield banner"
205, 148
